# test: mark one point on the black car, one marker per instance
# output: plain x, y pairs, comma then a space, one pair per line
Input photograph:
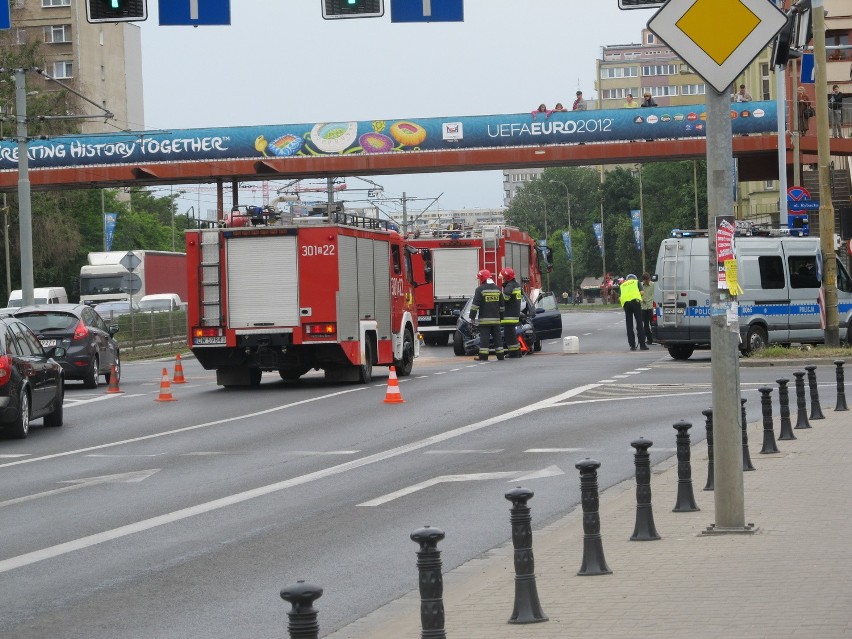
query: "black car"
89, 347
545, 323
31, 383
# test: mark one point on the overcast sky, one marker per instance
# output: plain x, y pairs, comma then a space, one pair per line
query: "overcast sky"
279, 62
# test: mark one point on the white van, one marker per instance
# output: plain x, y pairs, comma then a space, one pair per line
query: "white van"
160, 302
779, 305
46, 295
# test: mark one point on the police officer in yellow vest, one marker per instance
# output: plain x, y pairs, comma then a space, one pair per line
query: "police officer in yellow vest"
631, 302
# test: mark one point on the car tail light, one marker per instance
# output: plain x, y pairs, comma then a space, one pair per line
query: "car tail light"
80, 332
5, 369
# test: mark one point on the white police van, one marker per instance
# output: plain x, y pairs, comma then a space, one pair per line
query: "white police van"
780, 303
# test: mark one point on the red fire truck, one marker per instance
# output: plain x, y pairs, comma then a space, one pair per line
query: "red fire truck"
457, 256
333, 294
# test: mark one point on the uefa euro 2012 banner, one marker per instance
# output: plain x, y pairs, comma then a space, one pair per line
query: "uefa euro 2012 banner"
277, 141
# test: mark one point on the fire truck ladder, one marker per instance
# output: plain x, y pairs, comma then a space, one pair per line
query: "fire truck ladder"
210, 277
668, 283
490, 240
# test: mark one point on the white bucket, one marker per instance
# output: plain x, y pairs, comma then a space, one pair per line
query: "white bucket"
571, 345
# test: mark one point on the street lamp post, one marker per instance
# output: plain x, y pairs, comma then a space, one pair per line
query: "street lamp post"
571, 239
24, 196
543, 201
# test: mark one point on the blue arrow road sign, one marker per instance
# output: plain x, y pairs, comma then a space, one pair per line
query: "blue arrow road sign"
427, 10
808, 70
5, 16
194, 12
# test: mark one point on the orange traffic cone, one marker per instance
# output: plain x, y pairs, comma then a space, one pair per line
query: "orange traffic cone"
523, 343
393, 396
113, 381
165, 389
178, 378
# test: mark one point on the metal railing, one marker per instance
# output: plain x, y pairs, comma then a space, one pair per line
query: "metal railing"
149, 329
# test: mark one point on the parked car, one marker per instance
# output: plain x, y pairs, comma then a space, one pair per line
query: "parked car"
160, 302
111, 310
31, 382
90, 350
544, 322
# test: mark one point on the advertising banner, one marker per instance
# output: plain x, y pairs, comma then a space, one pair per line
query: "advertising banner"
636, 219
598, 227
109, 229
566, 238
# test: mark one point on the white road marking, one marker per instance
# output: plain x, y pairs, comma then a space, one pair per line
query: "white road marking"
632, 372
323, 452
463, 452
185, 429
77, 484
11, 456
128, 455
440, 373
199, 509
606, 381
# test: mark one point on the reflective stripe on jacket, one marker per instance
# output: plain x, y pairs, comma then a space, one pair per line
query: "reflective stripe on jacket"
487, 303
512, 294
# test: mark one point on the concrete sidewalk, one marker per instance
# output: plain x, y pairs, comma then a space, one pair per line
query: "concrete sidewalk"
789, 579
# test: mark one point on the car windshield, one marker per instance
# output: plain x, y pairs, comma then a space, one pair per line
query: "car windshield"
49, 321
155, 305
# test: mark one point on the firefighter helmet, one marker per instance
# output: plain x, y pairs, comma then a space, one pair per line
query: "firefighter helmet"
483, 275
507, 274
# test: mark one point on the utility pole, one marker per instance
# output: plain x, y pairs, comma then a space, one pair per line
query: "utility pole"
826, 206
24, 194
724, 327
571, 238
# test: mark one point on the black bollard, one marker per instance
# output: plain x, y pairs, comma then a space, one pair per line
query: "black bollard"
431, 582
644, 530
769, 445
816, 409
841, 389
747, 465
302, 617
786, 431
685, 499
801, 412
708, 425
594, 562
527, 606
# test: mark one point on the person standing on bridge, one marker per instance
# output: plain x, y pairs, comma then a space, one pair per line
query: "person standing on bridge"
742, 95
630, 103
488, 304
542, 109
835, 111
631, 302
648, 101
512, 295
804, 109
579, 103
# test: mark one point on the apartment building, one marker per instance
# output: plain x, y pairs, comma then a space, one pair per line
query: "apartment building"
101, 61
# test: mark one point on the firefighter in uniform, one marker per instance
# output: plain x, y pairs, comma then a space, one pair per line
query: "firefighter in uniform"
512, 297
488, 304
631, 302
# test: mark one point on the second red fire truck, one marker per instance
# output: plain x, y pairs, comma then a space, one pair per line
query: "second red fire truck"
457, 255
334, 295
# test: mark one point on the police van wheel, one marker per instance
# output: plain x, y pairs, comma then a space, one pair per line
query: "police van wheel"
755, 339
680, 352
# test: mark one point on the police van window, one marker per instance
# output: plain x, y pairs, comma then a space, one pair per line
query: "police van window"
397, 259
803, 271
771, 271
844, 283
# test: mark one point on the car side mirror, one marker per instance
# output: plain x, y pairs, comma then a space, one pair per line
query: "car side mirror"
654, 277
113, 329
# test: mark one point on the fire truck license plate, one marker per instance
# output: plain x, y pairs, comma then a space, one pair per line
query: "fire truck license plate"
207, 341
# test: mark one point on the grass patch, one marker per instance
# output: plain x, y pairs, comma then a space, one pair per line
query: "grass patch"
802, 351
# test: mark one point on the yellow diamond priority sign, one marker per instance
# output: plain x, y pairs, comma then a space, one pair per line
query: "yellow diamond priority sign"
718, 38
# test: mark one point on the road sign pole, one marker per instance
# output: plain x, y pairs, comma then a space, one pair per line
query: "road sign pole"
724, 327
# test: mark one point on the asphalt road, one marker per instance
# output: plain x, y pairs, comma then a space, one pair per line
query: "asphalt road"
143, 519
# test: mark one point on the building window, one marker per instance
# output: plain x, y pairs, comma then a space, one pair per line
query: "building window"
619, 94
612, 56
659, 69
837, 39
693, 89
620, 72
764, 82
53, 3
63, 70
18, 4
57, 33
661, 92
20, 36
769, 185
649, 38
631, 55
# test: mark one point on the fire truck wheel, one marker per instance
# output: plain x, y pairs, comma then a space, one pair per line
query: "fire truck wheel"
404, 365
458, 343
365, 370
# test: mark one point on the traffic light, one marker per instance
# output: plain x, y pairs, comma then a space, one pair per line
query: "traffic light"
116, 10
782, 50
333, 9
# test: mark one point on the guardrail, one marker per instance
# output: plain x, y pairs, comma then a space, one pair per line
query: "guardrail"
149, 329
